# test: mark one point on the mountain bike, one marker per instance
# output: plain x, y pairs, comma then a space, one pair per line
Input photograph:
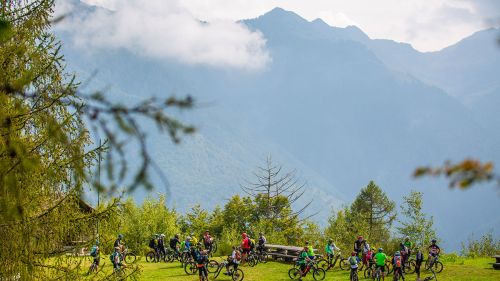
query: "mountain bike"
94, 265
156, 256
318, 273
330, 261
354, 275
191, 267
377, 275
434, 263
236, 274
128, 257
433, 277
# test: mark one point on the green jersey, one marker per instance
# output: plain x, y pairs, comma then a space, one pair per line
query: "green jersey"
380, 259
302, 257
310, 251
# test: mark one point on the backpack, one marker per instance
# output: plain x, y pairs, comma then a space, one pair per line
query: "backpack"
93, 252
397, 261
112, 258
251, 243
237, 255
353, 260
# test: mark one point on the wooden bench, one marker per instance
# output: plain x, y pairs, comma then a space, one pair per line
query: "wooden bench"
283, 252
496, 265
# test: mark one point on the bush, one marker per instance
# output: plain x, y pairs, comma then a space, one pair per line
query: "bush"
485, 246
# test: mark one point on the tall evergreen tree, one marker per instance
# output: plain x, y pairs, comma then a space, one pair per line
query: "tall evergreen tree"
373, 213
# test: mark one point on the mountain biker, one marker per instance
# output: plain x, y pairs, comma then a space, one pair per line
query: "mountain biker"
358, 245
161, 244
330, 249
95, 253
409, 245
194, 240
403, 250
116, 259
310, 251
434, 249
207, 240
152, 244
419, 258
201, 261
397, 263
119, 243
173, 244
245, 247
369, 257
366, 249
252, 244
233, 260
261, 243
302, 260
353, 262
380, 259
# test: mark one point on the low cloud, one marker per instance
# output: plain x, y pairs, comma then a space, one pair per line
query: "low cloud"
166, 30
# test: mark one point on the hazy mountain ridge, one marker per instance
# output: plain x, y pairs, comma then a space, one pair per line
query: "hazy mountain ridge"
329, 104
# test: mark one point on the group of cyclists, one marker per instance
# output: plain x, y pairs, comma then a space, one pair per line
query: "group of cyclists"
363, 254
199, 251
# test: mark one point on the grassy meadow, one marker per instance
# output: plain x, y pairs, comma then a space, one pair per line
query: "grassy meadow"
459, 269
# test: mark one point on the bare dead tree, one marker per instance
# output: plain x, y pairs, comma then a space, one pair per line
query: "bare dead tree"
276, 188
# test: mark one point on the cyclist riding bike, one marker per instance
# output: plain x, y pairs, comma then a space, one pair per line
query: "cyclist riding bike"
397, 263
310, 251
95, 253
116, 259
119, 243
353, 263
261, 243
302, 260
358, 245
233, 260
380, 259
330, 249
434, 249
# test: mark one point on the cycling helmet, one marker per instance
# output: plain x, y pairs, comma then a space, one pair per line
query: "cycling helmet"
162, 235
120, 236
188, 238
330, 240
380, 250
397, 254
244, 234
353, 253
407, 238
307, 242
360, 237
206, 231
177, 236
433, 241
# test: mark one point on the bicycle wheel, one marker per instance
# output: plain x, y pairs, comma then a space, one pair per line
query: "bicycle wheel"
354, 276
238, 275
410, 267
251, 261
294, 273
219, 269
150, 256
319, 274
212, 266
214, 247
130, 258
190, 268
322, 263
344, 264
263, 258
438, 267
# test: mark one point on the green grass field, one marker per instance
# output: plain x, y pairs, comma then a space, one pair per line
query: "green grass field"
459, 270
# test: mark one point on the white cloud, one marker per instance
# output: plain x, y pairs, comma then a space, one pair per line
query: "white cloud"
167, 30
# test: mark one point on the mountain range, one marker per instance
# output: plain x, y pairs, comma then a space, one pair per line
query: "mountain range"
340, 108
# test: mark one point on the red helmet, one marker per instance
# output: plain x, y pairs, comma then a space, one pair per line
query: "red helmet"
244, 234
360, 237
353, 253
